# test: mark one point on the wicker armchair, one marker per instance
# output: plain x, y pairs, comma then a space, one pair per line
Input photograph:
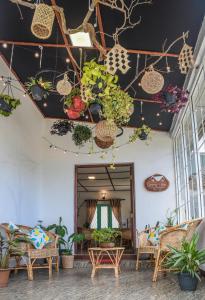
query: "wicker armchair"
172, 237
192, 226
144, 247
49, 252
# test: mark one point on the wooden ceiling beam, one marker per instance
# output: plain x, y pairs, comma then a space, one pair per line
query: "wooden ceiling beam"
100, 24
131, 51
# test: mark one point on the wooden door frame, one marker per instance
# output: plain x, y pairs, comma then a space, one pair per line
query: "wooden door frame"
132, 192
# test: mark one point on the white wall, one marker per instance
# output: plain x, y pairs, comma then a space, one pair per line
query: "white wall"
19, 160
57, 198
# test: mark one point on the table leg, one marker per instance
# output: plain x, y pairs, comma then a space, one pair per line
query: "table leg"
93, 272
116, 272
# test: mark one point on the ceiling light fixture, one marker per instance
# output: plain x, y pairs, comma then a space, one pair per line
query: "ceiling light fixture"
67, 60
91, 177
160, 123
4, 45
36, 55
158, 114
81, 39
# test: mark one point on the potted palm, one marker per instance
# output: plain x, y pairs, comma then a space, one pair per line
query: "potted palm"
67, 253
8, 247
106, 237
186, 262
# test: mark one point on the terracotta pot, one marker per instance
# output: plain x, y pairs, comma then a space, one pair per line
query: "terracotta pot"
72, 114
107, 245
4, 277
78, 104
67, 261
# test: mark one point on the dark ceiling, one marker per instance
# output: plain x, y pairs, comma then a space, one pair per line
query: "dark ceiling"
163, 19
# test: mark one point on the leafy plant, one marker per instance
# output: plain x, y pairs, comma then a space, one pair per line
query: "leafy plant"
60, 230
187, 259
105, 235
117, 106
170, 217
10, 104
138, 133
81, 134
97, 81
46, 86
68, 101
61, 127
10, 247
73, 238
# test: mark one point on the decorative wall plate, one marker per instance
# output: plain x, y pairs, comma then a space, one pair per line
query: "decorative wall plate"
152, 81
156, 183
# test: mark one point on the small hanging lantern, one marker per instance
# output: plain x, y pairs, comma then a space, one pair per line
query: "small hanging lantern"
185, 59
42, 22
117, 59
152, 81
63, 86
106, 131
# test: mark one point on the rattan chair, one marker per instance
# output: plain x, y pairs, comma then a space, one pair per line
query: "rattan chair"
192, 226
172, 237
49, 253
144, 247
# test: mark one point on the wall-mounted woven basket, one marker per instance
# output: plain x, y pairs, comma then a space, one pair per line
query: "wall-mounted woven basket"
152, 81
102, 144
63, 86
105, 131
42, 22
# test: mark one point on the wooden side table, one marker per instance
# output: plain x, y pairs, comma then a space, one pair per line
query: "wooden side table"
106, 258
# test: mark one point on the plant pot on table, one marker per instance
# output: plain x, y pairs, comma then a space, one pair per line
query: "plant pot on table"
67, 261
4, 277
187, 282
107, 245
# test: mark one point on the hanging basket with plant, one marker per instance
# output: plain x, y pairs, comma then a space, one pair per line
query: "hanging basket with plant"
74, 106
38, 88
8, 104
141, 133
61, 127
81, 135
97, 82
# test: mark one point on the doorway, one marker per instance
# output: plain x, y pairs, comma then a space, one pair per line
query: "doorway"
105, 198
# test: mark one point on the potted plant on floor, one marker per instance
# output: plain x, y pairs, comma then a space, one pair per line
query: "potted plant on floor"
60, 230
38, 88
106, 237
186, 262
67, 253
8, 247
8, 104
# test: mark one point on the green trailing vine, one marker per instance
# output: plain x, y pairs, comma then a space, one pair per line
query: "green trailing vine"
138, 132
12, 104
81, 135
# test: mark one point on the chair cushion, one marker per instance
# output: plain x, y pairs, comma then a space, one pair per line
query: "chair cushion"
153, 236
38, 237
12, 226
184, 225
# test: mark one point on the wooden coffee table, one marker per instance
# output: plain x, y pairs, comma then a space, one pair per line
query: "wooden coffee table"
105, 258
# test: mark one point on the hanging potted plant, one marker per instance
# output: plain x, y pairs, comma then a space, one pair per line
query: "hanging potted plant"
38, 88
61, 127
95, 107
117, 107
8, 104
106, 237
186, 262
67, 252
81, 135
97, 81
141, 133
74, 105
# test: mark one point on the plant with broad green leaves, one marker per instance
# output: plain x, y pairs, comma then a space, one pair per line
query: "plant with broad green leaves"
97, 81
187, 259
73, 238
60, 230
105, 235
81, 134
140, 133
171, 216
8, 104
46, 85
117, 107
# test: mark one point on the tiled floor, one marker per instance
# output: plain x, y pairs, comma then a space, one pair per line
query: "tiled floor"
77, 285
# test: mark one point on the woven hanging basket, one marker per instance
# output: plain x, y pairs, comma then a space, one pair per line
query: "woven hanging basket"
63, 86
152, 81
102, 144
106, 131
42, 22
